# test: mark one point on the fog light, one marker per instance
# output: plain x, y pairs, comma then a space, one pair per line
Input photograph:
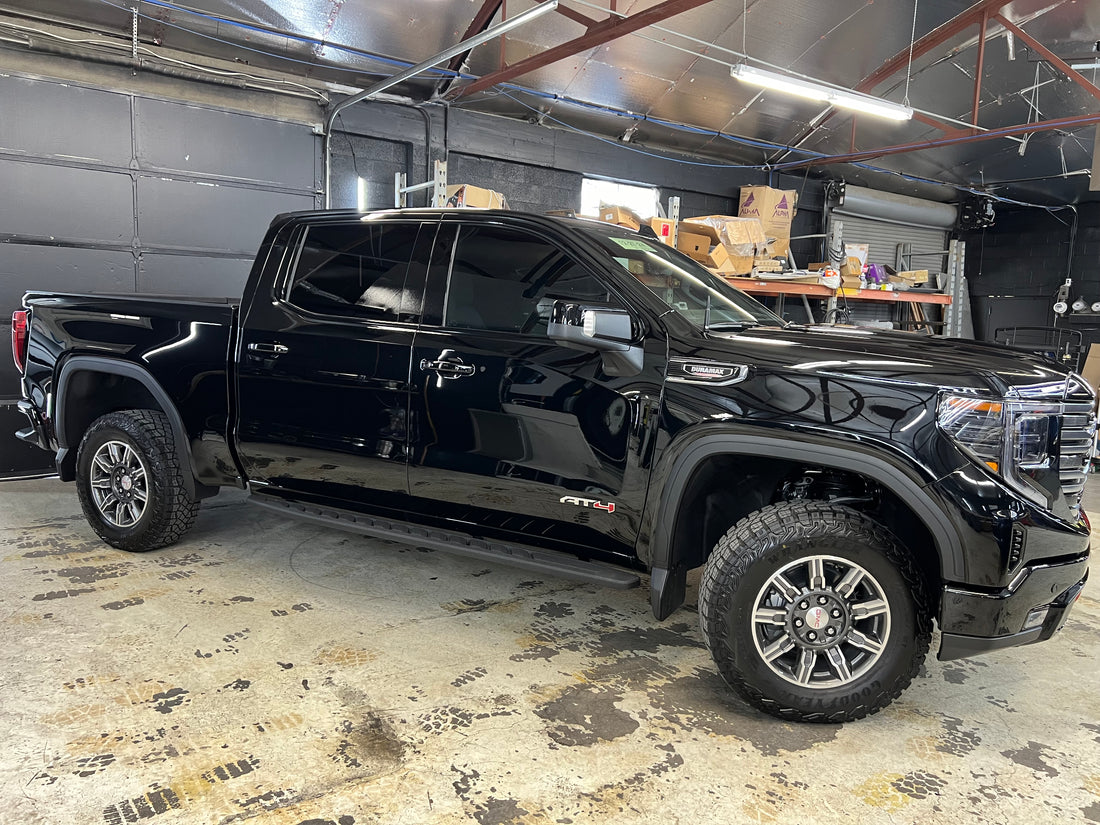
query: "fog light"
1036, 617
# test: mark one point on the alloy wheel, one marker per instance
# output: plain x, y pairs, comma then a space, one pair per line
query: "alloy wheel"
119, 484
821, 621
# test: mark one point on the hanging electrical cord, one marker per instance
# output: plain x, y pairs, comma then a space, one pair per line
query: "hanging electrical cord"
912, 42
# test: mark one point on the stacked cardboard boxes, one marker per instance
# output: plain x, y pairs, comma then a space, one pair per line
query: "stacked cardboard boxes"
775, 209
725, 244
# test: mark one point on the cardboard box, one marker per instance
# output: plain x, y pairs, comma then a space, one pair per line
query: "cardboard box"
663, 227
775, 209
741, 236
851, 268
767, 265
858, 250
694, 244
719, 260
911, 277
621, 216
465, 195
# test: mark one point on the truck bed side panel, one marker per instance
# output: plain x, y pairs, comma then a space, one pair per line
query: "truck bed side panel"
184, 344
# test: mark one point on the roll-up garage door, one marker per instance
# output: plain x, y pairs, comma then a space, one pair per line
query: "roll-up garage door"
884, 239
885, 221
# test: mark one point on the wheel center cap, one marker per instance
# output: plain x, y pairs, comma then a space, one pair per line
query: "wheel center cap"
817, 618
126, 483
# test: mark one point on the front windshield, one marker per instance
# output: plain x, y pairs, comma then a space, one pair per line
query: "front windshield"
705, 299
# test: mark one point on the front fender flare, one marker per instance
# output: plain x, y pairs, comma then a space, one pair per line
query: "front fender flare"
684, 456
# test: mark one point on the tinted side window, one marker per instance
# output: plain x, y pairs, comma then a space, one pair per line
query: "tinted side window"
507, 279
356, 270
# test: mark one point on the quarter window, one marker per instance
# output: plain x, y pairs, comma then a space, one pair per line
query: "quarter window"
507, 280
357, 270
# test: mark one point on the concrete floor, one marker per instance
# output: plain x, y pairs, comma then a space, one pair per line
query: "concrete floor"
269, 670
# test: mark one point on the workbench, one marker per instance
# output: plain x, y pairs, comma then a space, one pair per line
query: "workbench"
781, 289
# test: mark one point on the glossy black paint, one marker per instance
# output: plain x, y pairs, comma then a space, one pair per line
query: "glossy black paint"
326, 412
182, 346
377, 422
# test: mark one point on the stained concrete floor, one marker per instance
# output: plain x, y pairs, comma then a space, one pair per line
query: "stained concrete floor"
272, 671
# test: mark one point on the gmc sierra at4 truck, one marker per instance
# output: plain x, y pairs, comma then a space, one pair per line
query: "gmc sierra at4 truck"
584, 401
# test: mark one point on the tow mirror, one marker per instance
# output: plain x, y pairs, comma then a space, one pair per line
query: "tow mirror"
603, 329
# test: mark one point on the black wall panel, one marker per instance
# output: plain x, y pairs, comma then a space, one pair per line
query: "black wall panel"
112, 191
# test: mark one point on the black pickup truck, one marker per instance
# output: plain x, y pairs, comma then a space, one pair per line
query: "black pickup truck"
581, 400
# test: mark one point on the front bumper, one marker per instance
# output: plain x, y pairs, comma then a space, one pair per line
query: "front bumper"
976, 622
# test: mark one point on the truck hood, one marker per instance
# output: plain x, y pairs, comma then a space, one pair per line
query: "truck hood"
858, 352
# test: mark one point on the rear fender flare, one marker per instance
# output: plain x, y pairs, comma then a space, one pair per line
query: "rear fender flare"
66, 452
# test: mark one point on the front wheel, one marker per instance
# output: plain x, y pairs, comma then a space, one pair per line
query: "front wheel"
814, 612
130, 482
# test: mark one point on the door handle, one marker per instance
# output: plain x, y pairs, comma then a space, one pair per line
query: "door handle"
448, 369
268, 349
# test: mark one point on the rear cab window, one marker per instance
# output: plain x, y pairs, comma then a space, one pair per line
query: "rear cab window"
370, 270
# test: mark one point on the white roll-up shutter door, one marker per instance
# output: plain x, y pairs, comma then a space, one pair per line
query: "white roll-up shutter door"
884, 222
884, 239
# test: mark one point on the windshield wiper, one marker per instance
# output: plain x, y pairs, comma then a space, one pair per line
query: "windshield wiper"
733, 324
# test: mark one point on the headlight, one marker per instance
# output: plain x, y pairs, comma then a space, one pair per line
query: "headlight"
1013, 439
977, 425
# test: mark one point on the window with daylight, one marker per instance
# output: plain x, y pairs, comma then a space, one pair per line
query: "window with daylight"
640, 199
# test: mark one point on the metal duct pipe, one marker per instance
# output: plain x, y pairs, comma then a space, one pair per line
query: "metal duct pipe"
861, 202
413, 71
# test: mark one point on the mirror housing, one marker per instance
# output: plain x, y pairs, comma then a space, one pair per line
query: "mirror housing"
602, 329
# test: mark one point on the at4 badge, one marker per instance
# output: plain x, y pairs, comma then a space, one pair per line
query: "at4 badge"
589, 502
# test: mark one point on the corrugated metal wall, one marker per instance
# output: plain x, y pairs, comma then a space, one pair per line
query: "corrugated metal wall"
108, 191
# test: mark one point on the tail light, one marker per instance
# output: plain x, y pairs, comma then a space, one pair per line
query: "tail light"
19, 338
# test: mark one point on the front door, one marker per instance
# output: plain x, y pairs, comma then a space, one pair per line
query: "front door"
513, 434
324, 363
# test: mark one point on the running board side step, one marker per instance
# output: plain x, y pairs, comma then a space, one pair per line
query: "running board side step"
537, 560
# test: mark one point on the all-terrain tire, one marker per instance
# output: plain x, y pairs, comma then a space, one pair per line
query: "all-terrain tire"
805, 550
137, 457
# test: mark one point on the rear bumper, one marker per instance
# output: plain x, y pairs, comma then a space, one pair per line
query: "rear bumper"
36, 433
1032, 608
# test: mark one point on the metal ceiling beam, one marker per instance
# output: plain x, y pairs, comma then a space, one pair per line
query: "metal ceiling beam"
602, 32
979, 69
903, 148
479, 24
922, 46
1050, 56
937, 37
576, 16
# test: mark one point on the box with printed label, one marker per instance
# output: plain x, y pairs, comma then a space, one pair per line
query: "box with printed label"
662, 227
620, 215
775, 208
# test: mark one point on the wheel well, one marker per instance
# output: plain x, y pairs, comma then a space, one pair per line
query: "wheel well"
724, 489
90, 394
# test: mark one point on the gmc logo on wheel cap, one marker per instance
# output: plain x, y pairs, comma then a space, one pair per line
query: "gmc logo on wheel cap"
588, 502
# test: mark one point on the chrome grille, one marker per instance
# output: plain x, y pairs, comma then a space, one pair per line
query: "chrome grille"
1078, 431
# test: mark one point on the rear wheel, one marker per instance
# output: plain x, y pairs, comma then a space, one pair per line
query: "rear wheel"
130, 482
814, 612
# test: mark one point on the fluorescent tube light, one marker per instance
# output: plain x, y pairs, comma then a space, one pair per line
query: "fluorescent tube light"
820, 92
1080, 67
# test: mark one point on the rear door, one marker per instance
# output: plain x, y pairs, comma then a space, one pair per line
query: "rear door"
324, 362
511, 433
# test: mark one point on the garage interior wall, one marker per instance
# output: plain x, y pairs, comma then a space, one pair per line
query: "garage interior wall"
118, 192
127, 190
1016, 266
